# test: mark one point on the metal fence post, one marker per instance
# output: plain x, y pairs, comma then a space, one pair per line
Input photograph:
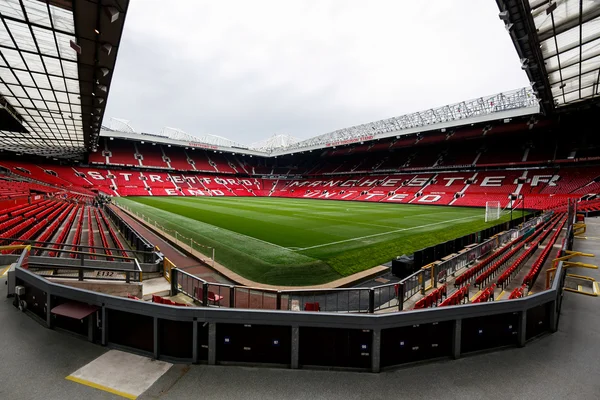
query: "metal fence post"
400, 296
422, 276
232, 296
174, 286
80, 274
278, 305
205, 294
371, 301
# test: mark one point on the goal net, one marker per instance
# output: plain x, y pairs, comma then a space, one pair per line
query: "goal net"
492, 210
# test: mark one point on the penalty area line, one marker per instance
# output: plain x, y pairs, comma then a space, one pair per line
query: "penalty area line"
386, 233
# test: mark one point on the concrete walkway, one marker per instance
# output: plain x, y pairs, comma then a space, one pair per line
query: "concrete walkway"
36, 361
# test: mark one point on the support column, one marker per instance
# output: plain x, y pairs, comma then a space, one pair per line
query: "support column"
91, 319
553, 316
195, 343
456, 338
104, 325
376, 351
156, 338
48, 308
295, 347
522, 328
212, 343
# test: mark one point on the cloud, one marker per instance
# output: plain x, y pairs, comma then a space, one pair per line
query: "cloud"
247, 70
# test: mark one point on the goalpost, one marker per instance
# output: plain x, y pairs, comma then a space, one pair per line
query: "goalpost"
492, 210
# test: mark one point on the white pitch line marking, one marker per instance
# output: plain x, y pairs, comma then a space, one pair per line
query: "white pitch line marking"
385, 233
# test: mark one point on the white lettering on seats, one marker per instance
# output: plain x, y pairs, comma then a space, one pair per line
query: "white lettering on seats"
96, 175
492, 181
430, 198
549, 179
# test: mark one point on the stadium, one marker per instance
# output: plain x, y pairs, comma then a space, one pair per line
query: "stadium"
426, 236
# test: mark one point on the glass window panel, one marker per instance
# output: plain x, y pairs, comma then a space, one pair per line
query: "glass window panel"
70, 69
16, 90
62, 19
21, 35
45, 41
34, 62
72, 86
42, 81
13, 58
53, 65
64, 46
37, 12
11, 8
62, 97
24, 78
7, 76
47, 94
33, 93
57, 83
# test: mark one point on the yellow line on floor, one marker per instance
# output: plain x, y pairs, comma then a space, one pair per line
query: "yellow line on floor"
100, 387
475, 295
4, 271
500, 295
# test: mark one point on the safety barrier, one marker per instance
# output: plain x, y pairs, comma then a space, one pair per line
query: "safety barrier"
291, 339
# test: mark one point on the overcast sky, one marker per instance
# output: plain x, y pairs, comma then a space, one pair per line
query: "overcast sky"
247, 70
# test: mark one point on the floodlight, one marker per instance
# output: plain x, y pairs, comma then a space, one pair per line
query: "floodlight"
112, 13
107, 48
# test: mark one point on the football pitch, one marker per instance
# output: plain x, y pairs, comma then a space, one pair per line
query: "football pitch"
282, 241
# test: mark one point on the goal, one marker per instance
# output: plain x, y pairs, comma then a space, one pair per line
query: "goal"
492, 210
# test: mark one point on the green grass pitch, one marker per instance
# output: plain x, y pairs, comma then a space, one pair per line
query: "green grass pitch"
282, 241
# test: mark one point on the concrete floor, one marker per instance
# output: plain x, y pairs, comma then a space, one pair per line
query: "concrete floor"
35, 362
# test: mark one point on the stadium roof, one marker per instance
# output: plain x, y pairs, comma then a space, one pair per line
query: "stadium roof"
56, 63
559, 46
516, 103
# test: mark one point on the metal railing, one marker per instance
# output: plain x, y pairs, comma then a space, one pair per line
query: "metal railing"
179, 238
81, 271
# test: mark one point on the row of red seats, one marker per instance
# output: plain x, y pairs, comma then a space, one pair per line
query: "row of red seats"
457, 297
10, 222
15, 209
78, 232
472, 272
113, 235
518, 292
103, 236
507, 275
530, 278
90, 234
65, 232
50, 230
16, 230
169, 302
31, 207
432, 298
489, 273
486, 295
